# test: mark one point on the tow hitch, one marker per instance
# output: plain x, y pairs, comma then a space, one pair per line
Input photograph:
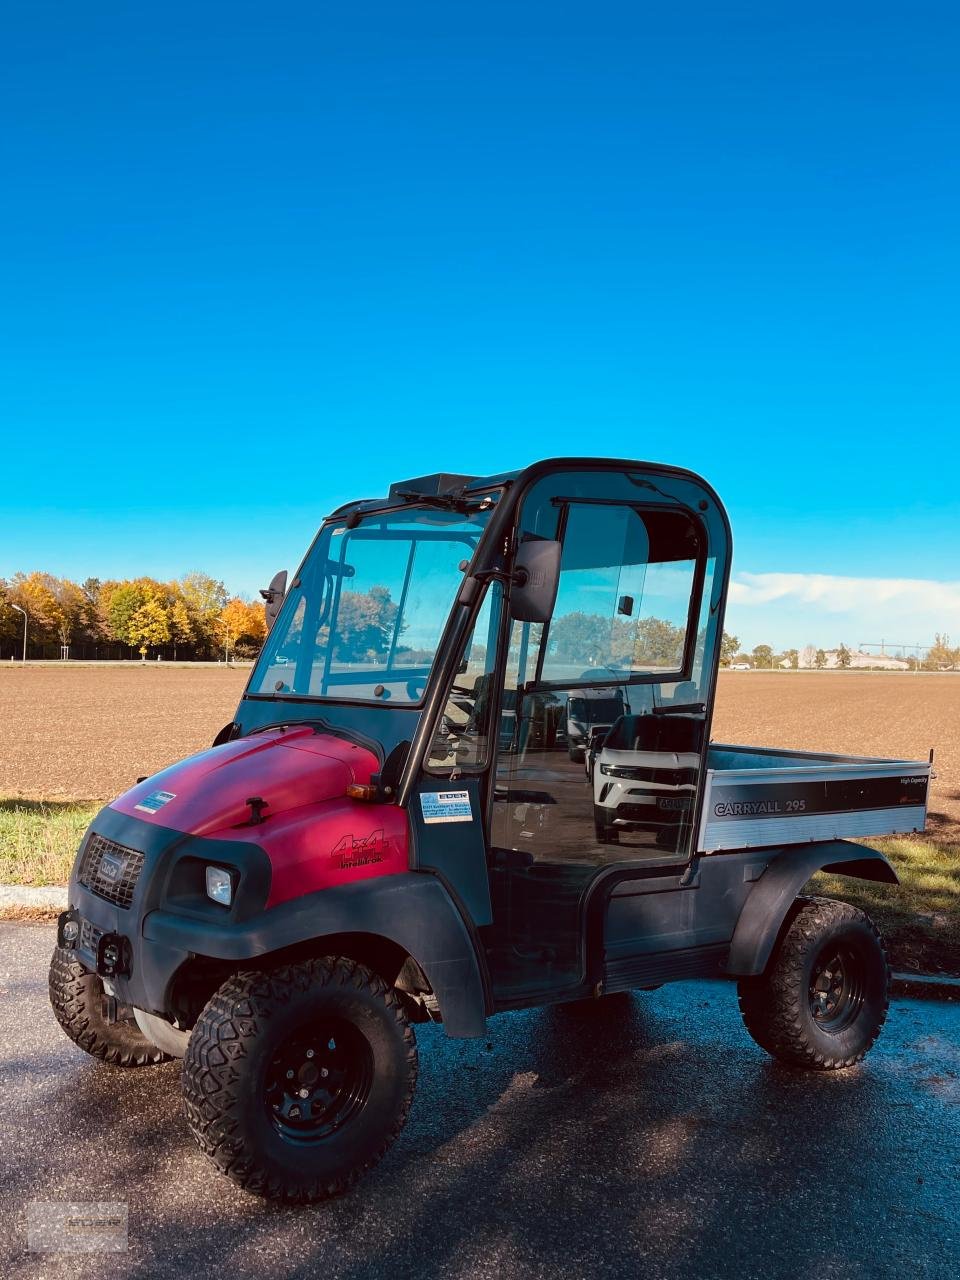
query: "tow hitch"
113, 956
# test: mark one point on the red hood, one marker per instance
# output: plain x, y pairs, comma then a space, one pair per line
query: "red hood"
287, 768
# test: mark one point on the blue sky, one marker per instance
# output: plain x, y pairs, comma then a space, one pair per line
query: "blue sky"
257, 260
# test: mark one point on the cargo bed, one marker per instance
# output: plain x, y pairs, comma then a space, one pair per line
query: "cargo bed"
755, 796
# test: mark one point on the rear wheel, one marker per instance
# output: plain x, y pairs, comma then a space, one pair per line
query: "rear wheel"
298, 1080
823, 1000
77, 995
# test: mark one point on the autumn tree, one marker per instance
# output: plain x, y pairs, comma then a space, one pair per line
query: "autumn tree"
71, 606
55, 606
242, 626
11, 622
123, 607
365, 623
204, 598
119, 603
181, 625
150, 626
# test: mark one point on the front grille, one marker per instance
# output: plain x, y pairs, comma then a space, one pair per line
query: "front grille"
90, 935
110, 870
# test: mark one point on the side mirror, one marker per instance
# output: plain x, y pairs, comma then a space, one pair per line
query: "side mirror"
536, 576
273, 596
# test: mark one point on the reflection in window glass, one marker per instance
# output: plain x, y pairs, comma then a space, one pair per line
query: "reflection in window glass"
366, 615
462, 737
623, 602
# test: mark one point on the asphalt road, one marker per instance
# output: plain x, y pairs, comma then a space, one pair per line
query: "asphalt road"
641, 1137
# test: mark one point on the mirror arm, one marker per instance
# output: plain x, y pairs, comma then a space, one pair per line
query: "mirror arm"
472, 583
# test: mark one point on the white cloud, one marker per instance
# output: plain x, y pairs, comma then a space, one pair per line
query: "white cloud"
815, 608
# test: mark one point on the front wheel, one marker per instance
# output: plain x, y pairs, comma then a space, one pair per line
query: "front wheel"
297, 1080
823, 1000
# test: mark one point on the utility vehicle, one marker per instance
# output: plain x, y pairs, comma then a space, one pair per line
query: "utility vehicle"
365, 847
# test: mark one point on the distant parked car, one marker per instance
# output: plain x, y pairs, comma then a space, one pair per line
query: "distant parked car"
741, 666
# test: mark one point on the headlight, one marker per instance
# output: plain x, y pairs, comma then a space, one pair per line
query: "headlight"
220, 885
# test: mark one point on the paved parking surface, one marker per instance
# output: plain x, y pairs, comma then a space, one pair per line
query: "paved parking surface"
642, 1137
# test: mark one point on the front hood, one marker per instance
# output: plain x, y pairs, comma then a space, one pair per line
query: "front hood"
287, 768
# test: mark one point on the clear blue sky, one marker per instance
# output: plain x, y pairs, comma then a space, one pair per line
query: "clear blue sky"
257, 260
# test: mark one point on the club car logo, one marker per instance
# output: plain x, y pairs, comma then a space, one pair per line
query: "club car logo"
111, 868
349, 852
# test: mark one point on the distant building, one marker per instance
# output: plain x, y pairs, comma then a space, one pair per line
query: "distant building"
857, 659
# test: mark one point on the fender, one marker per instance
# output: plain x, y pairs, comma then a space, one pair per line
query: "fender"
764, 912
413, 910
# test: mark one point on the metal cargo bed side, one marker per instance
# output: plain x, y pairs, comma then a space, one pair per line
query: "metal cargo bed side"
756, 797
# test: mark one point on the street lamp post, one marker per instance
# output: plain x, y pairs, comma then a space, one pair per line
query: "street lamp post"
24, 612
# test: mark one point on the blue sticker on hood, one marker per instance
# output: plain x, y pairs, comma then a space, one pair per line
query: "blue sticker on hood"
156, 800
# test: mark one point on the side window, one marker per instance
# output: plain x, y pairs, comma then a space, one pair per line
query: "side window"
626, 583
462, 739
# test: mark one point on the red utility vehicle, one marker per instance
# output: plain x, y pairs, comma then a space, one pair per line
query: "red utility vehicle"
396, 828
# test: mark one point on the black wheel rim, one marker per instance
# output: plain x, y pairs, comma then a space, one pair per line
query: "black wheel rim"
836, 989
318, 1080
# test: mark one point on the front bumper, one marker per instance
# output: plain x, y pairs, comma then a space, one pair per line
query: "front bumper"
139, 975
112, 937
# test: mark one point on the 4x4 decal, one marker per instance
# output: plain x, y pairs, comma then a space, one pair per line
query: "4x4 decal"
349, 852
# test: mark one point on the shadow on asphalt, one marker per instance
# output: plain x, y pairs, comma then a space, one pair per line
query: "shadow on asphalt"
628, 1136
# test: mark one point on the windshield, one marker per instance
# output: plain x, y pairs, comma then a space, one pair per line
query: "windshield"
364, 619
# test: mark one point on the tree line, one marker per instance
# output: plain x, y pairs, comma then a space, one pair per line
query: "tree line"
194, 617
940, 656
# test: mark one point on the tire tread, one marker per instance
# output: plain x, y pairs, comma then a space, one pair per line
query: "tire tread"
771, 1004
241, 1009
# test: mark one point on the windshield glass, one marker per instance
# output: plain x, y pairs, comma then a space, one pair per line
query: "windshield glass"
365, 617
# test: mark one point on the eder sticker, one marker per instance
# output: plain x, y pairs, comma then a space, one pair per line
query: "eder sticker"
446, 806
156, 800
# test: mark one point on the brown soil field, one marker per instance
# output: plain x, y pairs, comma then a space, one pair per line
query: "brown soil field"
89, 732
870, 714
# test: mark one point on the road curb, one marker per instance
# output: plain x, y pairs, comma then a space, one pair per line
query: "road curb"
53, 897
942, 981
